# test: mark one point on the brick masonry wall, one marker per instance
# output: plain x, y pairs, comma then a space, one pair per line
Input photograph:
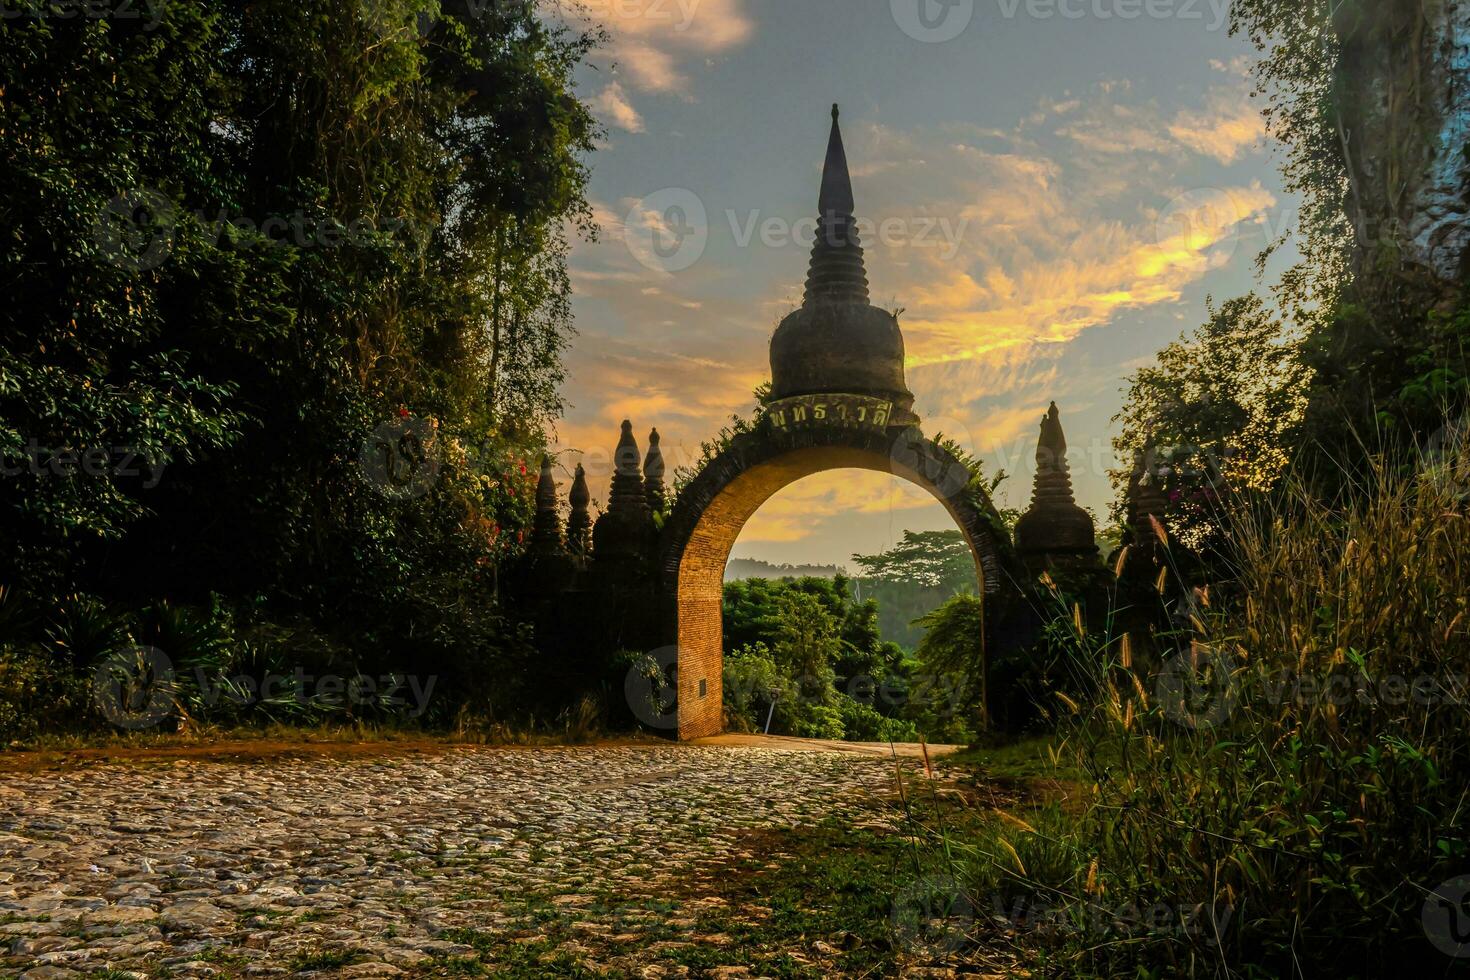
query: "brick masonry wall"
699, 535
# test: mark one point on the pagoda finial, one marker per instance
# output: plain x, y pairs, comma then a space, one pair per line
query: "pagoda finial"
627, 498
579, 524
625, 530
1146, 500
837, 271
546, 531
653, 473
1053, 473
1054, 528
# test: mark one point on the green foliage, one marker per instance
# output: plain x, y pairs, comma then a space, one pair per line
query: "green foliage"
1217, 414
1290, 757
928, 559
915, 576
250, 246
809, 648
38, 693
1295, 74
951, 659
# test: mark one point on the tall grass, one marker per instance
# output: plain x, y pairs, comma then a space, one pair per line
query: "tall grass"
1281, 788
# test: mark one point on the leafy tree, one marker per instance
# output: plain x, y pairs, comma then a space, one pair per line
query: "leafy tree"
1367, 99
1218, 412
915, 576
927, 559
253, 245
807, 642
952, 663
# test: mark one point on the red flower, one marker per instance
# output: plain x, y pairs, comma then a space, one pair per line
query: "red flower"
403, 413
520, 537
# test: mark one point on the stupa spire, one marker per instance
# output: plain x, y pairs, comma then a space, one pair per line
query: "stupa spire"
653, 473
837, 272
1054, 531
579, 524
546, 531
627, 497
1053, 472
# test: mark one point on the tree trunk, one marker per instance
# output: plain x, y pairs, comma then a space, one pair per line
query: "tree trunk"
1402, 87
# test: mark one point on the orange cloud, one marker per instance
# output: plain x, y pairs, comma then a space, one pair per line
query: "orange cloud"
1226, 132
650, 39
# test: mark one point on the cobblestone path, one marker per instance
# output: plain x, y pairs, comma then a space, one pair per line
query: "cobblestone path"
279, 867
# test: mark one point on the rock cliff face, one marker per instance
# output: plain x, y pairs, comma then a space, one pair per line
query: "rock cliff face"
1439, 228
1403, 87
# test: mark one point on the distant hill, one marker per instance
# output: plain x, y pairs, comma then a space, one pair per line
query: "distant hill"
740, 568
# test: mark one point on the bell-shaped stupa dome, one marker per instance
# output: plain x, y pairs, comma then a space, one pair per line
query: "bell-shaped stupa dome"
838, 342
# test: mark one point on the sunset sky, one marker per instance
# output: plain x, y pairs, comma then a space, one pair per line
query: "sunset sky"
1054, 187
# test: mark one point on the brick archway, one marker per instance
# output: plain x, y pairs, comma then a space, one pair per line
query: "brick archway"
712, 509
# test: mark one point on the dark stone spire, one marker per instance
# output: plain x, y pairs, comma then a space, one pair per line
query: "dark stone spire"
1146, 505
625, 531
627, 497
579, 524
837, 343
653, 473
1054, 528
837, 273
546, 531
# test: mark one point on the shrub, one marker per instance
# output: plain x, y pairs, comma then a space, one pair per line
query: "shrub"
1296, 768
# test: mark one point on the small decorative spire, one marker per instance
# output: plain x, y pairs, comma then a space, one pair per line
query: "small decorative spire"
1054, 529
579, 524
1146, 502
625, 532
1053, 472
627, 497
546, 531
837, 272
653, 473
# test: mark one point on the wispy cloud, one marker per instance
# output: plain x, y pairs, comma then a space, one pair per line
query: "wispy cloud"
614, 107
652, 41
1079, 219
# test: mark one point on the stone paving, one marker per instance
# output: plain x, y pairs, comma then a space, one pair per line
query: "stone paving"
198, 868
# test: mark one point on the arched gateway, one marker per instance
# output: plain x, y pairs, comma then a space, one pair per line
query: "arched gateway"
712, 509
839, 400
